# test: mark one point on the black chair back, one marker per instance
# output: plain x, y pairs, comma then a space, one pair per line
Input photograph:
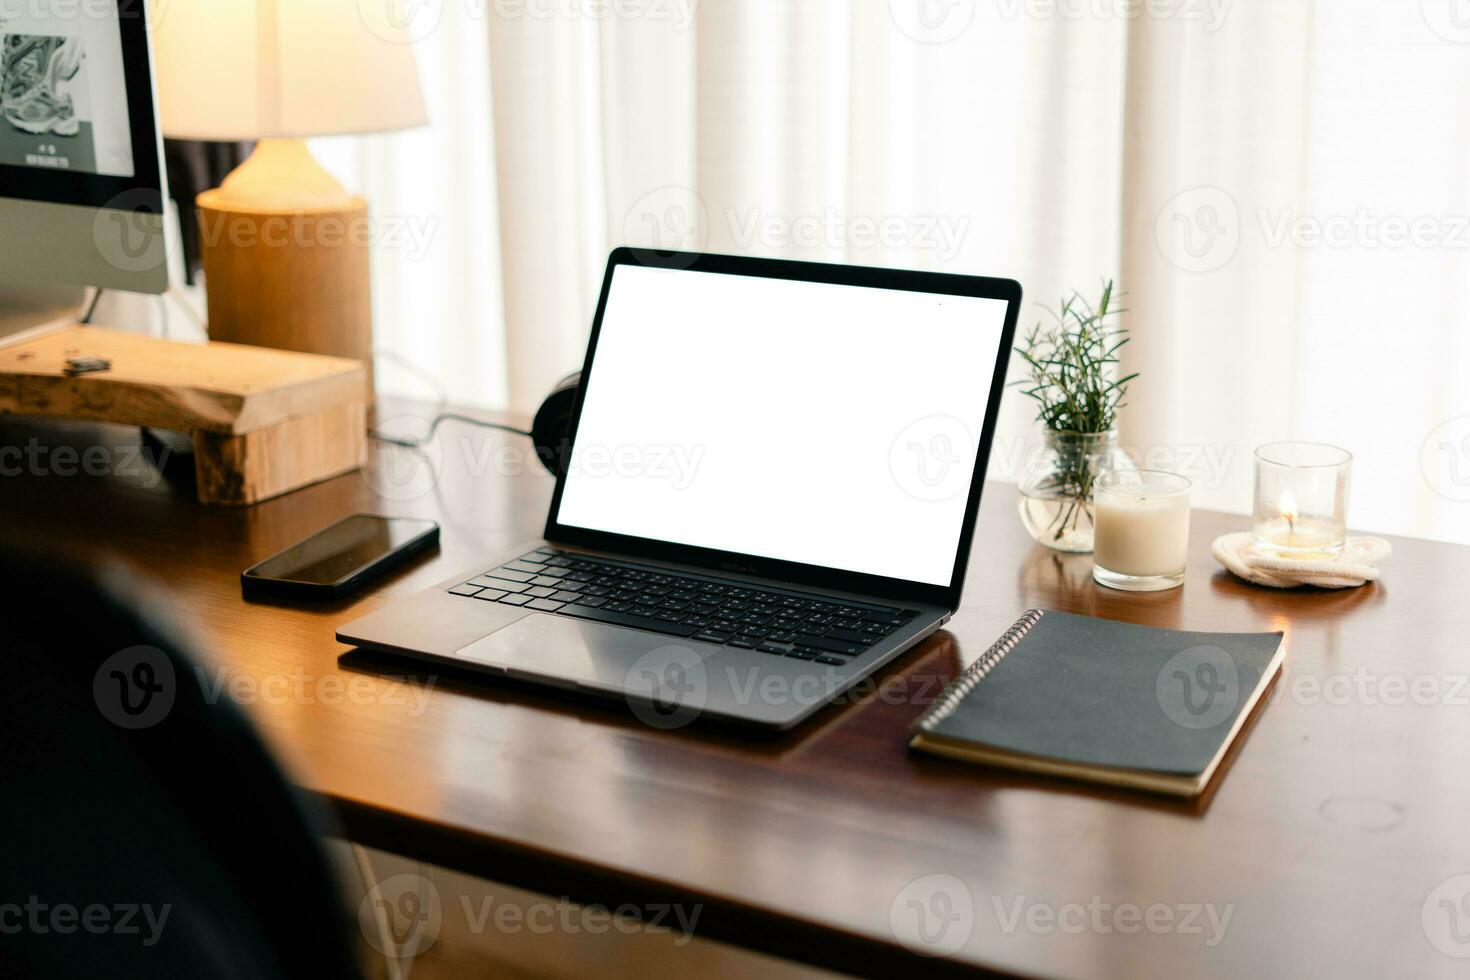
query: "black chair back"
146, 830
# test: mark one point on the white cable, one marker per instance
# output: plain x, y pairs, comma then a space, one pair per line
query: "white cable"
391, 960
415, 370
190, 309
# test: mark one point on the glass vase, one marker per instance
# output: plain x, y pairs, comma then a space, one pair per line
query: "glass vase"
1057, 484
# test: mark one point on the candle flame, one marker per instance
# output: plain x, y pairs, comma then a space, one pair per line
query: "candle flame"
1288, 506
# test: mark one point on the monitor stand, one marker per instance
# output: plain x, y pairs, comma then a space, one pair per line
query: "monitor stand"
33, 311
261, 422
25, 311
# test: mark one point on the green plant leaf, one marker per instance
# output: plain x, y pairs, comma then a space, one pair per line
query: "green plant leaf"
1071, 362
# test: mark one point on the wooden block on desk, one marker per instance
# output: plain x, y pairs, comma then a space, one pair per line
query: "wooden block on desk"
213, 387
263, 421
258, 465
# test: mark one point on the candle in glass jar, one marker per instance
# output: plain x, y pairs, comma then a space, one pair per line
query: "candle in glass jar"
1301, 499
1142, 538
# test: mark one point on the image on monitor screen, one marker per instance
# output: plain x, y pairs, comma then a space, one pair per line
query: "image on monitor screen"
63, 103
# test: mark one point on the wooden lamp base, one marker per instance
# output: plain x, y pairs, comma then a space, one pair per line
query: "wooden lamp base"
294, 280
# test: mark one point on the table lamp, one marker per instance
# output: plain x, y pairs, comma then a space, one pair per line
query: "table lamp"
284, 246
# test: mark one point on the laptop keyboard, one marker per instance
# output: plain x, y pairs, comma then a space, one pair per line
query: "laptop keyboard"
722, 611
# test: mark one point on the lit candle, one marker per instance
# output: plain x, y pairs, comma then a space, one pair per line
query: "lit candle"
1301, 500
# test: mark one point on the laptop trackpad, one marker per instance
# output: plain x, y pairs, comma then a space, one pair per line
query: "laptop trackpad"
570, 651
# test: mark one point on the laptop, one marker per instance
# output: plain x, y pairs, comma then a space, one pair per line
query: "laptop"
769, 492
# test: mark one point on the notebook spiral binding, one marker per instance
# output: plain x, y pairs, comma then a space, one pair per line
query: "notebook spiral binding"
950, 698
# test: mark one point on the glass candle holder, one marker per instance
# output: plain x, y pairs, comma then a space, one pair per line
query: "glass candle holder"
1142, 538
1301, 499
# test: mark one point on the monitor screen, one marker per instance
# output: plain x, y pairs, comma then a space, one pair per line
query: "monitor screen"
77, 120
82, 184
63, 96
830, 425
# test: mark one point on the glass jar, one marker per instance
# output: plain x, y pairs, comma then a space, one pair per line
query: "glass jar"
1301, 500
1056, 486
1142, 530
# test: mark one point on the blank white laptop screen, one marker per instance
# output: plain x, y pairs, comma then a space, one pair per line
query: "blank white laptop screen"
824, 424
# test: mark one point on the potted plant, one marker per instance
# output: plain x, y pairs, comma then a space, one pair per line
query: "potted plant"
1071, 366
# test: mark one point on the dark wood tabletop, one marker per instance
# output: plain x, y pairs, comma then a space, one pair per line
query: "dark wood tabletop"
1330, 844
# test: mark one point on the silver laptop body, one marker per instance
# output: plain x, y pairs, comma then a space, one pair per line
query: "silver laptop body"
769, 491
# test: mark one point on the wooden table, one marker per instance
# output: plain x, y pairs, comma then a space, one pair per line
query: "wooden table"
1324, 840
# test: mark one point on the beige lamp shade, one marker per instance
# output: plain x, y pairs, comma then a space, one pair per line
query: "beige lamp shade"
254, 69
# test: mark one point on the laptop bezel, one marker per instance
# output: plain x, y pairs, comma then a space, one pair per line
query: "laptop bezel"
798, 573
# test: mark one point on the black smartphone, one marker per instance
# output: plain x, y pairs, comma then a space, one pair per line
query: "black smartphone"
339, 558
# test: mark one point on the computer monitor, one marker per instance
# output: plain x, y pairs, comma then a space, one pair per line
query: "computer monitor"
82, 186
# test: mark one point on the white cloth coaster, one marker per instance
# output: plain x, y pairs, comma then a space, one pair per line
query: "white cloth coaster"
1357, 564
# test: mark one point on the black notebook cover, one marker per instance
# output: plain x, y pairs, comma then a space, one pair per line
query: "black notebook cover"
1101, 700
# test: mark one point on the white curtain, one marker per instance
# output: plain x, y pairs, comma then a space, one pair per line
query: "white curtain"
1280, 187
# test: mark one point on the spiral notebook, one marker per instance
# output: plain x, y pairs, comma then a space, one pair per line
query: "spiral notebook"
1103, 701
